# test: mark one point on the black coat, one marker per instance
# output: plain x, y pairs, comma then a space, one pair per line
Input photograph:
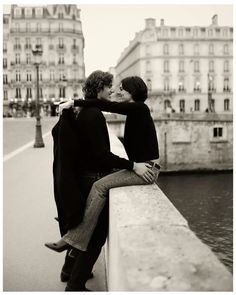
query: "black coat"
69, 200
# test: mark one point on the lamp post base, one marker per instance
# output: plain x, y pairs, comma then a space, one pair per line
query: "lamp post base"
38, 137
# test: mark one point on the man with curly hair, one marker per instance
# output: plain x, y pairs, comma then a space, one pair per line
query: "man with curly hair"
95, 161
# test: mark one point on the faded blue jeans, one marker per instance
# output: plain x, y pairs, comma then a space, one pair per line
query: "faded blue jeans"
79, 236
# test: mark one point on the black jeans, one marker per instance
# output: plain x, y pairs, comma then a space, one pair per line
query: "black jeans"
85, 260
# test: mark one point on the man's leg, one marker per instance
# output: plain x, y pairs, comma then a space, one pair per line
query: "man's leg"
85, 260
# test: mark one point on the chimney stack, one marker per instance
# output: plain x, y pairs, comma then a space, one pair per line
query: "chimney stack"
215, 20
150, 23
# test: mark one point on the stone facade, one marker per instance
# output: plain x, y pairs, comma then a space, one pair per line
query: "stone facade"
187, 69
57, 28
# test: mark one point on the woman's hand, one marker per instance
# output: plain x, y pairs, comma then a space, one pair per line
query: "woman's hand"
65, 105
143, 170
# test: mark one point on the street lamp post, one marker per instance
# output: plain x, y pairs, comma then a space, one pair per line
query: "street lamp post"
38, 136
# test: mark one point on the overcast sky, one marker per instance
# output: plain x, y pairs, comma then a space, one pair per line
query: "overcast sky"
108, 29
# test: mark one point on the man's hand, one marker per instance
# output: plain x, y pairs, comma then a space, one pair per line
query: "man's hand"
143, 170
65, 105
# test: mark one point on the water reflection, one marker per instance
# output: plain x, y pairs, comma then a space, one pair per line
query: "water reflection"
206, 201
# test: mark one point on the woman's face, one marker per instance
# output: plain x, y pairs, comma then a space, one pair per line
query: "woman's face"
125, 95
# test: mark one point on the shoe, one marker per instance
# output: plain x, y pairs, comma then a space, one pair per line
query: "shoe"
60, 246
66, 276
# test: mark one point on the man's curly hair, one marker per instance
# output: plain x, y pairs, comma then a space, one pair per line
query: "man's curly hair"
96, 82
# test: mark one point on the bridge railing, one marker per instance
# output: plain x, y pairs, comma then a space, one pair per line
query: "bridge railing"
151, 247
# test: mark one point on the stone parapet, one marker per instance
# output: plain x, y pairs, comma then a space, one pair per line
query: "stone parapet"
151, 247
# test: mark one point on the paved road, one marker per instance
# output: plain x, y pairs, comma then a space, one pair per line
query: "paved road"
29, 210
19, 131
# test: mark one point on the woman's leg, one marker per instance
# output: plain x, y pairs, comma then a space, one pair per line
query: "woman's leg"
79, 236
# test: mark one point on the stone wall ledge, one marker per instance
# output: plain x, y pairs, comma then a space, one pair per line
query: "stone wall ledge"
151, 247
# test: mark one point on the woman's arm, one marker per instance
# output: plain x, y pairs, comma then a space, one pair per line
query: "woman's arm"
123, 108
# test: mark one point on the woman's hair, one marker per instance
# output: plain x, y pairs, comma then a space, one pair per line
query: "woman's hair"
136, 87
96, 82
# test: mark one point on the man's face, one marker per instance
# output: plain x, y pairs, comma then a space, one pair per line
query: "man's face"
105, 93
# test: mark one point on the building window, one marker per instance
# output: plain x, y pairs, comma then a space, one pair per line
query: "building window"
166, 85
203, 32
196, 49
195, 32
17, 12
181, 66
226, 49
74, 59
226, 66
27, 43
39, 12
52, 75
17, 58
226, 85
218, 132
18, 92
165, 33
225, 33
211, 49
60, 27
226, 104
5, 95
28, 76
18, 77
210, 33
196, 66
5, 79
39, 41
181, 49
197, 105
166, 66
27, 27
173, 31
61, 43
197, 85
182, 105
181, 32
147, 48
4, 47
28, 93
28, 12
5, 20
167, 104
4, 63
28, 58
61, 59
38, 27
211, 66
181, 85
217, 32
166, 49
149, 84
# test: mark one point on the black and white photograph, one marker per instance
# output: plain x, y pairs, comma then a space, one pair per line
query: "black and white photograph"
117, 128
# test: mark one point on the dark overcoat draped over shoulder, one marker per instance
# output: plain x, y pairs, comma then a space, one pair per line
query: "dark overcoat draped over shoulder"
70, 202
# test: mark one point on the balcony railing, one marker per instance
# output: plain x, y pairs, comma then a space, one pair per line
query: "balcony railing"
226, 89
17, 47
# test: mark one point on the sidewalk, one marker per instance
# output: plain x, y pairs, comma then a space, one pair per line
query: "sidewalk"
29, 210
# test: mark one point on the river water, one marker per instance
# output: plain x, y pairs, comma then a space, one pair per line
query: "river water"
206, 201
